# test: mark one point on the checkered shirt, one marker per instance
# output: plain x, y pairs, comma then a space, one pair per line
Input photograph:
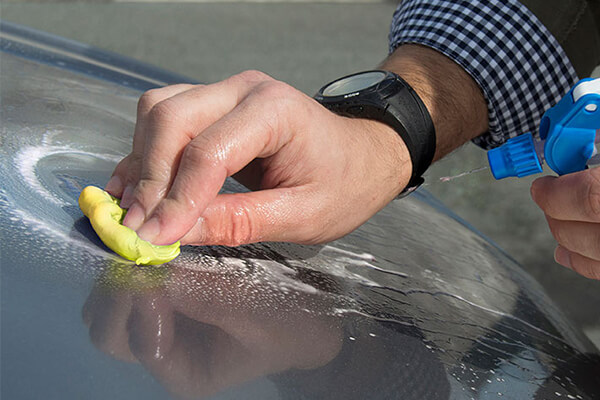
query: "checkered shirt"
520, 67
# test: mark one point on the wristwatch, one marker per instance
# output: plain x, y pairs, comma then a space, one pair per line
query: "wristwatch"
386, 97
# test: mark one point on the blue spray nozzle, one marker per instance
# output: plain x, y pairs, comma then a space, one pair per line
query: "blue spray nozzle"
517, 157
568, 134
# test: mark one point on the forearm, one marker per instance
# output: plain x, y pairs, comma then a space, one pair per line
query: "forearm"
453, 99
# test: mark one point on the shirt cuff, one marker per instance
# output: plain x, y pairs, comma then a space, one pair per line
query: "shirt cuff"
520, 67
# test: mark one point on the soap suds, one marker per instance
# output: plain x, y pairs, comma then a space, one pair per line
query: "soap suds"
28, 158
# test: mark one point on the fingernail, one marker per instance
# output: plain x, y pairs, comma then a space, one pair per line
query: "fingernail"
114, 186
150, 230
127, 198
135, 217
562, 256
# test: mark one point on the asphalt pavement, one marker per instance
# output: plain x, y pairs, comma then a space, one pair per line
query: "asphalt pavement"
307, 44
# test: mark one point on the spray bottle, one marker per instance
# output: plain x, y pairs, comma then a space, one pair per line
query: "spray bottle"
568, 140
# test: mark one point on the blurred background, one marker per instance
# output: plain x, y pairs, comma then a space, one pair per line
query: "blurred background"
309, 43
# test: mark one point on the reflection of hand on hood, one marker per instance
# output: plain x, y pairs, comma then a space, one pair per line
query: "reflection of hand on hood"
201, 332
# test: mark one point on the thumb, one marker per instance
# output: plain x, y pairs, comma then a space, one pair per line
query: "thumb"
280, 214
571, 197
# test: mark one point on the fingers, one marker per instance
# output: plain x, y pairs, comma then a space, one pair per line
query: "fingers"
171, 125
572, 207
115, 184
191, 359
572, 197
151, 326
106, 316
585, 266
127, 172
578, 246
578, 237
254, 129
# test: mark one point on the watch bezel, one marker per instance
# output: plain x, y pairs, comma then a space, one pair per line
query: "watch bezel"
380, 89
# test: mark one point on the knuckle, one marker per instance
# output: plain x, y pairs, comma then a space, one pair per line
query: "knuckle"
133, 167
278, 104
592, 196
557, 231
180, 200
252, 76
238, 228
159, 172
133, 160
277, 91
147, 193
163, 112
201, 152
149, 99
144, 185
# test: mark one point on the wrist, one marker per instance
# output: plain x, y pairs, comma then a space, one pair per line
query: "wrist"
384, 96
391, 151
454, 101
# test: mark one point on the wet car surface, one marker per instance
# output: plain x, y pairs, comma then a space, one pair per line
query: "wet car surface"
412, 305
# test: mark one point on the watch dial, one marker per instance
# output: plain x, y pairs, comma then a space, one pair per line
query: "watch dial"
354, 83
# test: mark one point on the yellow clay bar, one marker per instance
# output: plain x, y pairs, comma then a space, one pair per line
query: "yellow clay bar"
107, 220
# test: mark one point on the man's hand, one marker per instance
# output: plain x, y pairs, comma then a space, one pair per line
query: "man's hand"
572, 207
316, 175
200, 332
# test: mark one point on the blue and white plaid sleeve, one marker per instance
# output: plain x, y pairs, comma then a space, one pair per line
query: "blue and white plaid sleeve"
520, 67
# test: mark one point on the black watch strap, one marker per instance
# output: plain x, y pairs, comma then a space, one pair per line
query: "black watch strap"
407, 114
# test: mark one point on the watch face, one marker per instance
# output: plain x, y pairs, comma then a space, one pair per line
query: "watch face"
354, 83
